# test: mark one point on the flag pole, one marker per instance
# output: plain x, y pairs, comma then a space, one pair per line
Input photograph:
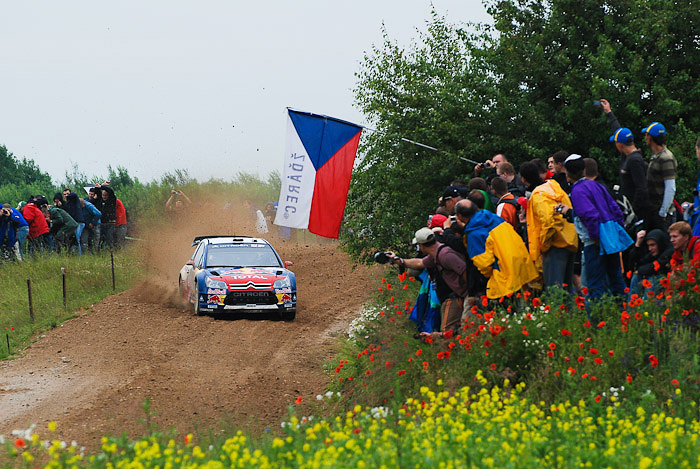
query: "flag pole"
423, 145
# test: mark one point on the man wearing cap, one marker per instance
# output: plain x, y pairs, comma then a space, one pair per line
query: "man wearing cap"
450, 196
661, 175
496, 250
452, 268
599, 224
633, 171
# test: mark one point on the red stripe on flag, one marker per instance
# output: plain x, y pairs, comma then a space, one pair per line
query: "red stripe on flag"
331, 191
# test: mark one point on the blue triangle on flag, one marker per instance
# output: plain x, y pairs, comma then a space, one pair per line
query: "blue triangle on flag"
322, 136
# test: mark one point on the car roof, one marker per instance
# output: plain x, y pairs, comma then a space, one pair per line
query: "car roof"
219, 239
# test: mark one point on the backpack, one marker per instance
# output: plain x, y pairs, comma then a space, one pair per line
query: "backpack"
630, 218
513, 202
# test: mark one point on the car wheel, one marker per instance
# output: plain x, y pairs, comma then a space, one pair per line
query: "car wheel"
289, 315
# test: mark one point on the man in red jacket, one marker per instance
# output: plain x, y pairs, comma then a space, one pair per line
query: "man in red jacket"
683, 242
38, 228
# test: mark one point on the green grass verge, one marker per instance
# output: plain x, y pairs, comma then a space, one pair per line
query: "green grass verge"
88, 280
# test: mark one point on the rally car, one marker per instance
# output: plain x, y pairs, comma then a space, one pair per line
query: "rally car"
239, 274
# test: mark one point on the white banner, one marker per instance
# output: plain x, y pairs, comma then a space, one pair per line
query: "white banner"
298, 179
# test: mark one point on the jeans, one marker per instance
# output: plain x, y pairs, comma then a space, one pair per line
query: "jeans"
637, 287
603, 273
558, 268
22, 234
78, 235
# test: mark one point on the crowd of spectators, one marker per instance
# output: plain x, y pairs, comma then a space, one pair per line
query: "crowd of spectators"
557, 225
71, 223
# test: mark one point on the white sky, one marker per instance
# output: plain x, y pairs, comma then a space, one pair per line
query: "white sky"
159, 85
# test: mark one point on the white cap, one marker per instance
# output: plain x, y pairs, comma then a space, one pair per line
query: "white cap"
424, 235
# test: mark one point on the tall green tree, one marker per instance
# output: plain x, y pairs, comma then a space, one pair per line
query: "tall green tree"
19, 172
523, 86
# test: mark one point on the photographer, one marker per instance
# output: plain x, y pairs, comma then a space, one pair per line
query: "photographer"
179, 209
489, 165
8, 234
450, 265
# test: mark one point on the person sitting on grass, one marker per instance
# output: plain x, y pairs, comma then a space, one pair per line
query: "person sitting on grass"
650, 260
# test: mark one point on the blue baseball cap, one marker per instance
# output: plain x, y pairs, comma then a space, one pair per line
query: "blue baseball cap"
622, 135
655, 129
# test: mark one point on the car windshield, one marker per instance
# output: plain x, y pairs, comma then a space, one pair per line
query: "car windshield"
241, 255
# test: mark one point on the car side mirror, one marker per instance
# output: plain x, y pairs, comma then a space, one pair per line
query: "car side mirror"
190, 262
288, 264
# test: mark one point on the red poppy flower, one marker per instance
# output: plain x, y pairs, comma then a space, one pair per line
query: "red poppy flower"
425, 365
401, 373
629, 378
611, 352
20, 443
552, 346
675, 382
487, 343
536, 302
598, 360
657, 266
388, 286
387, 365
646, 283
565, 332
368, 372
587, 324
594, 351
654, 362
493, 366
580, 359
571, 371
299, 399
601, 324
637, 316
550, 354
597, 398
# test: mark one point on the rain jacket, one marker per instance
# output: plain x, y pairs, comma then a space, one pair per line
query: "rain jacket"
600, 216
36, 219
499, 254
545, 227
62, 223
644, 262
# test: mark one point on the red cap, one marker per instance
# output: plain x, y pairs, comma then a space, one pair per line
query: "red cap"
437, 220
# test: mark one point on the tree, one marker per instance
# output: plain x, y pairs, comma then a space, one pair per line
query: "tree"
523, 86
20, 172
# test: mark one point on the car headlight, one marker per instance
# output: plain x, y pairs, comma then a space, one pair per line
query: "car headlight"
211, 283
282, 283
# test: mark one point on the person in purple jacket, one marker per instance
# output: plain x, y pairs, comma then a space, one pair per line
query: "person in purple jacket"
598, 221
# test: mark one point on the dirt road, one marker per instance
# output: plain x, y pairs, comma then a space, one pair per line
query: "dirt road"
93, 373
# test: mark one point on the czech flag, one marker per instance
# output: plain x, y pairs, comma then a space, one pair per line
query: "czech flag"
319, 156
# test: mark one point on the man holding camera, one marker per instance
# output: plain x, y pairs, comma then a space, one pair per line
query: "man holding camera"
490, 164
450, 265
633, 170
178, 210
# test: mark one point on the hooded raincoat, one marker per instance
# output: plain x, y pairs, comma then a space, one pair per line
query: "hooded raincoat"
499, 254
545, 227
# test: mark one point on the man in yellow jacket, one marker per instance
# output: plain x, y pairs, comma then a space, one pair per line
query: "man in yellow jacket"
553, 240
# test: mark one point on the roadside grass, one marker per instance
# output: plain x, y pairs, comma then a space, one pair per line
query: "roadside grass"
88, 280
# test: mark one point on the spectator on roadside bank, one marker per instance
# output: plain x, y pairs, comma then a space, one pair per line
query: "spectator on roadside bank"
178, 210
38, 226
507, 206
63, 228
685, 245
555, 164
450, 265
633, 171
553, 240
506, 171
74, 206
22, 230
650, 260
599, 224
481, 169
9, 223
496, 250
661, 175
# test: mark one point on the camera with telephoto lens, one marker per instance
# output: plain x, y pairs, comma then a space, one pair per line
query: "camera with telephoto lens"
382, 257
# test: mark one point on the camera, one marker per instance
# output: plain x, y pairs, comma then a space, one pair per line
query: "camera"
559, 208
596, 102
453, 218
382, 257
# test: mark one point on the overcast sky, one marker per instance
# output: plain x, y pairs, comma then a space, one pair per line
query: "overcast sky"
159, 85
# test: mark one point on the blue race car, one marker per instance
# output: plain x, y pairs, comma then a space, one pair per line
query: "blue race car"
238, 273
